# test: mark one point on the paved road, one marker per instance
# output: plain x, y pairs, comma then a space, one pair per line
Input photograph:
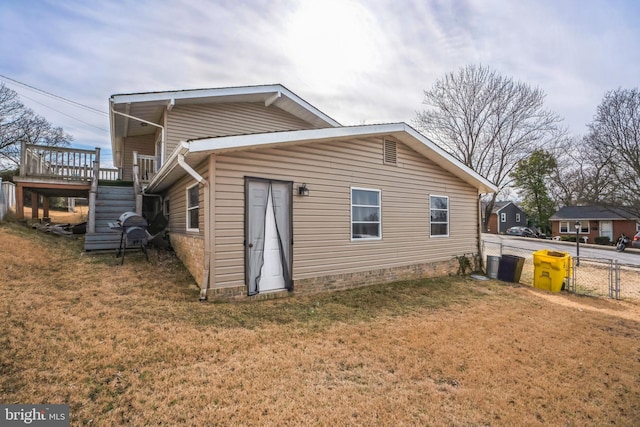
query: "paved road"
629, 256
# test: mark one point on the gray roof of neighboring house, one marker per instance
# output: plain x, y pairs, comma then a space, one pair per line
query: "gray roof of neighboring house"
497, 206
592, 213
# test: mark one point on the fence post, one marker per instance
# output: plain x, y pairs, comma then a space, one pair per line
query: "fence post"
617, 281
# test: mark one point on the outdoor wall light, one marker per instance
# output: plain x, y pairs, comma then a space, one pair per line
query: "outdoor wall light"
303, 190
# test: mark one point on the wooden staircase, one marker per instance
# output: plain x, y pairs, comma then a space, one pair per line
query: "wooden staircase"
111, 202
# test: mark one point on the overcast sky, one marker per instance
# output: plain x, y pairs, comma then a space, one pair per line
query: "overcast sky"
359, 61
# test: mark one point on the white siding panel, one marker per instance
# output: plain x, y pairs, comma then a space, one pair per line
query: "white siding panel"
322, 227
212, 120
178, 201
143, 145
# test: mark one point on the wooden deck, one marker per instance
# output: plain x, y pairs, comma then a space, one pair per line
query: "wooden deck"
70, 172
57, 172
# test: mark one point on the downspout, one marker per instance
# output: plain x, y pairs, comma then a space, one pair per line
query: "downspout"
204, 287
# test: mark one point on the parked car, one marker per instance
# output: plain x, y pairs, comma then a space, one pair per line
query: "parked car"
636, 241
521, 231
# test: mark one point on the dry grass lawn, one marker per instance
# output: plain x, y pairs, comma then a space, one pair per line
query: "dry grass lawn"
132, 345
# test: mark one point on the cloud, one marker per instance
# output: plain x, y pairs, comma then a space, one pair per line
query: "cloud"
357, 60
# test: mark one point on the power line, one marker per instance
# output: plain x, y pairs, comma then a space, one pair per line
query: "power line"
52, 95
65, 114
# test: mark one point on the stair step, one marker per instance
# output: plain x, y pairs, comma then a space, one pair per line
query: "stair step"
108, 191
95, 242
111, 202
103, 228
115, 202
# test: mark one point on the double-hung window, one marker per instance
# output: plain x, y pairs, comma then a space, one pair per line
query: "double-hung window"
439, 208
584, 227
365, 214
564, 227
193, 208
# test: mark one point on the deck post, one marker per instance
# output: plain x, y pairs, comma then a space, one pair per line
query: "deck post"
45, 207
35, 205
137, 188
91, 220
19, 201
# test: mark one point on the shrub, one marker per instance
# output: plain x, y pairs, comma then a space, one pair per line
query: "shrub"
602, 240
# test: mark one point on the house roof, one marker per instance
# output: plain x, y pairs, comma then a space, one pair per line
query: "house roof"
593, 213
196, 151
137, 114
498, 206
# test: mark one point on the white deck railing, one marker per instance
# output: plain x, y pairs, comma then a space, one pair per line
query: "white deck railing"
63, 163
58, 162
147, 166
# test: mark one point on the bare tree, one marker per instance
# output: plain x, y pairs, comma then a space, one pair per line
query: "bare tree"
488, 122
614, 140
18, 123
581, 175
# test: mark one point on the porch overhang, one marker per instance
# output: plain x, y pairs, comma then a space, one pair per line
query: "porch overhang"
150, 107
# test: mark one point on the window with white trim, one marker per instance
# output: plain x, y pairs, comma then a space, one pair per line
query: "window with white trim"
503, 217
517, 217
568, 227
365, 214
637, 226
439, 209
193, 208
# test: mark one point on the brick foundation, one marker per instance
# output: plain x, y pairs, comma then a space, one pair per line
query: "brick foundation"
190, 250
373, 277
343, 281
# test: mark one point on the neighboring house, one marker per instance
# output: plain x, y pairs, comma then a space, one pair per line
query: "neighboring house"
594, 221
7, 197
504, 216
266, 193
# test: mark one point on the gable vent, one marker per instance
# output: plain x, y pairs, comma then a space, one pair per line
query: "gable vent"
390, 153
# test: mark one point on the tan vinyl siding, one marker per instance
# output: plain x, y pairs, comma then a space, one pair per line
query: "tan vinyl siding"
322, 221
178, 203
202, 121
143, 145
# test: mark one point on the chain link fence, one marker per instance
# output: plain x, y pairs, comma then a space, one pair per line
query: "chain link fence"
598, 277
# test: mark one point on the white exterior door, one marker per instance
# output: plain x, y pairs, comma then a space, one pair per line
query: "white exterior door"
268, 235
271, 275
606, 229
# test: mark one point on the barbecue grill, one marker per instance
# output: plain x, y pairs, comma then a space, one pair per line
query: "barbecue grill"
133, 232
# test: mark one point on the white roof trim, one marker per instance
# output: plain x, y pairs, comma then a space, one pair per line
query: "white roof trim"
220, 92
401, 131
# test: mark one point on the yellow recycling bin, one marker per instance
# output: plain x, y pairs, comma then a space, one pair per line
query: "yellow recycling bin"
550, 269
